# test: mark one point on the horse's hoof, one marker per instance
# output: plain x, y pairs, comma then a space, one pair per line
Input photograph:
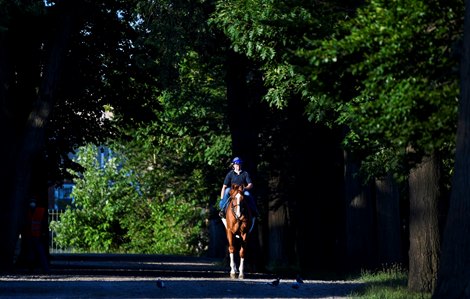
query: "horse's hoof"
241, 276
233, 275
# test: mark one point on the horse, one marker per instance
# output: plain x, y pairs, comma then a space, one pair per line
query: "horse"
238, 224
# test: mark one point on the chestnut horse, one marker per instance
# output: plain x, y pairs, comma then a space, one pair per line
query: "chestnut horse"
238, 224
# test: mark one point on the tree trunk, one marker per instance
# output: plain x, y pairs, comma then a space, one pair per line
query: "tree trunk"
454, 274
245, 115
360, 225
424, 194
7, 151
388, 221
27, 150
241, 111
277, 226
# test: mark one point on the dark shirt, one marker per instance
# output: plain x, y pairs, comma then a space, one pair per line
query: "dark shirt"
232, 177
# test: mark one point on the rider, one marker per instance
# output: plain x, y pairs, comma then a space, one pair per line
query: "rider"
239, 177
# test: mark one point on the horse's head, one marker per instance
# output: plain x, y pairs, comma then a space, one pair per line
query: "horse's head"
236, 189
237, 200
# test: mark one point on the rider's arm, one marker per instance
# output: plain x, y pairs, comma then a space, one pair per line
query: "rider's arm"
222, 192
227, 181
249, 185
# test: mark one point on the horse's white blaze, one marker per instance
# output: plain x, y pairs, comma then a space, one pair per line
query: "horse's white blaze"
237, 212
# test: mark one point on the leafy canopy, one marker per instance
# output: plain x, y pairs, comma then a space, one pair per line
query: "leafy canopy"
402, 86
385, 70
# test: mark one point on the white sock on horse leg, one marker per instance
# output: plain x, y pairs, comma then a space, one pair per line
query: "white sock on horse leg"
232, 264
242, 262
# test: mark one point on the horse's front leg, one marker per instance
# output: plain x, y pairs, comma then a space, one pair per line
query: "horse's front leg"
233, 266
242, 257
231, 249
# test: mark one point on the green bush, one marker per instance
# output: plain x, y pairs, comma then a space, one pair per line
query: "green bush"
112, 212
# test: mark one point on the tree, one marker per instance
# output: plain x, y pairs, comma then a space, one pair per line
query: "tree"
388, 221
401, 105
268, 33
453, 276
375, 73
180, 152
391, 92
175, 151
29, 89
89, 47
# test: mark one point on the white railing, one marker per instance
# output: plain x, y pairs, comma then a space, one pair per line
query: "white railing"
54, 215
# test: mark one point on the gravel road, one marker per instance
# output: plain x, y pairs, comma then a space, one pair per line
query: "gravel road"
136, 276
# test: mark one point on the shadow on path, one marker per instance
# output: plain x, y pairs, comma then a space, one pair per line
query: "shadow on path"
135, 276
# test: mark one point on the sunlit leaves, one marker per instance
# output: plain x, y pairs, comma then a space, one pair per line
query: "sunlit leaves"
118, 208
402, 85
104, 196
270, 32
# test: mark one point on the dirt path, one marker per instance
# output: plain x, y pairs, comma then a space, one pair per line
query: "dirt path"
136, 276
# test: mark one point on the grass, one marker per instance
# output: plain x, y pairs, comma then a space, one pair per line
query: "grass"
388, 283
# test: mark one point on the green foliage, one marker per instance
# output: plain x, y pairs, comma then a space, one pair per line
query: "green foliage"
409, 93
386, 70
396, 82
189, 131
113, 213
170, 136
100, 70
103, 199
270, 32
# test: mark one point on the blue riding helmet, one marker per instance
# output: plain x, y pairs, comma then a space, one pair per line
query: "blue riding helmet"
237, 160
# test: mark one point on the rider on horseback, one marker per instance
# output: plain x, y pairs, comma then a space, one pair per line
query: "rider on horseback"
239, 177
